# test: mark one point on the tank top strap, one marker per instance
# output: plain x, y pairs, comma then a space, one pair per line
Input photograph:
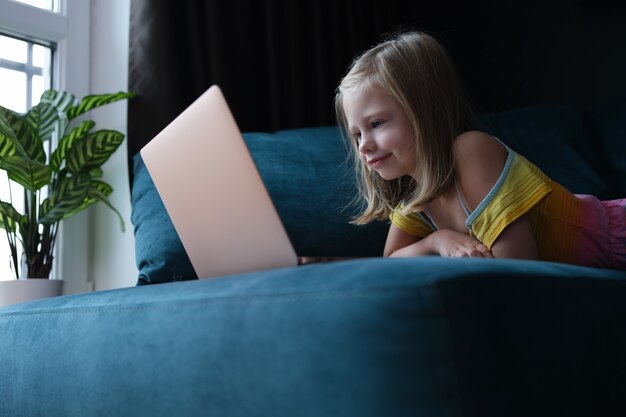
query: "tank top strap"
427, 217
461, 200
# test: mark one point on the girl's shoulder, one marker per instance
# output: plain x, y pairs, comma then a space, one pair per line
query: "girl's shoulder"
475, 148
479, 160
478, 144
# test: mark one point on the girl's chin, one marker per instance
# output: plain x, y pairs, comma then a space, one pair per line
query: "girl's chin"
388, 175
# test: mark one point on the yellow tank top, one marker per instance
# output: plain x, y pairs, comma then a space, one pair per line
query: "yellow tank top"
567, 228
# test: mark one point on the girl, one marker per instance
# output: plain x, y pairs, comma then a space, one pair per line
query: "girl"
450, 190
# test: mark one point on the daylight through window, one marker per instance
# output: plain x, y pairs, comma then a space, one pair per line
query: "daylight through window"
25, 73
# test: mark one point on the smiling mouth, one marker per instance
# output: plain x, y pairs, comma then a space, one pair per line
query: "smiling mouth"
377, 161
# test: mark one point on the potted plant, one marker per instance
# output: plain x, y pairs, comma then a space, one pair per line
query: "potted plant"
58, 163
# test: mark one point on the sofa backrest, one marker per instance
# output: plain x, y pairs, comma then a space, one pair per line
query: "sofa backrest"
311, 182
609, 136
559, 140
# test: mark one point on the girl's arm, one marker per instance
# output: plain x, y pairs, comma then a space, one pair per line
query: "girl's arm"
398, 242
479, 160
447, 243
516, 241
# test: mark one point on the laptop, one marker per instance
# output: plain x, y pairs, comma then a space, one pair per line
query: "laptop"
213, 193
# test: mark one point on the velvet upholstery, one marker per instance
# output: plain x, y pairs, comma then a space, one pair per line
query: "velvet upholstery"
161, 257
558, 139
377, 337
365, 337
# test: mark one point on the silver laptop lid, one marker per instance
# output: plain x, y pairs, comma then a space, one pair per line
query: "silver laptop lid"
214, 194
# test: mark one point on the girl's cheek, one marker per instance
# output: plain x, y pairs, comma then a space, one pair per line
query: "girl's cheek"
409, 144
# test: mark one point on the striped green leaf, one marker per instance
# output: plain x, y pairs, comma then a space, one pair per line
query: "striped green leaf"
36, 119
9, 217
93, 151
30, 174
7, 135
24, 136
100, 191
67, 141
93, 101
96, 187
96, 173
65, 200
9, 143
60, 100
51, 113
7, 146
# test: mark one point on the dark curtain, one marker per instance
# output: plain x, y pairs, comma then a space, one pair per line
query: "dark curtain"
279, 61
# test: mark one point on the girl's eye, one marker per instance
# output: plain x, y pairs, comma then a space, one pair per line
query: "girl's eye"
356, 135
376, 124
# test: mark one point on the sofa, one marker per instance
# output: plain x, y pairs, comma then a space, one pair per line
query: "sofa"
359, 336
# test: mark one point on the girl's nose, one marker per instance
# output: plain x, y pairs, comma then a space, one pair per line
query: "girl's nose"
366, 145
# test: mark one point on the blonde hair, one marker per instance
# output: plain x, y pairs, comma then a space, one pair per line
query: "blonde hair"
415, 70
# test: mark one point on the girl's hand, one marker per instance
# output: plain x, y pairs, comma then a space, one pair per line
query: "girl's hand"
443, 242
452, 244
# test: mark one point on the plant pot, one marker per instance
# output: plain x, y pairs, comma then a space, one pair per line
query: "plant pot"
21, 290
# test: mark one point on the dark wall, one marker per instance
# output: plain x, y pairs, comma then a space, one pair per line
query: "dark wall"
279, 62
551, 52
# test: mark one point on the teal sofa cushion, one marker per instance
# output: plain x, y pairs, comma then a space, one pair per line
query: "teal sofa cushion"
160, 255
311, 182
371, 337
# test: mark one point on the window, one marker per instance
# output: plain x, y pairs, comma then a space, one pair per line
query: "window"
25, 73
52, 5
39, 49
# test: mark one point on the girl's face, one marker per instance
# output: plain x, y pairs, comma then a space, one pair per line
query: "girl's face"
382, 130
